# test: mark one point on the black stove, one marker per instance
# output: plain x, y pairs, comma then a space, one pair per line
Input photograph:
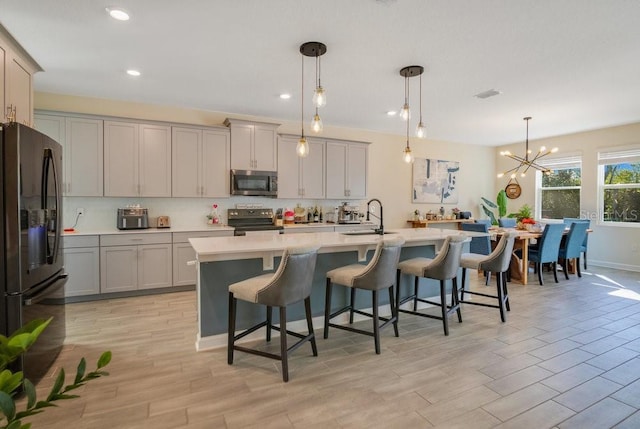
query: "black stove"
244, 220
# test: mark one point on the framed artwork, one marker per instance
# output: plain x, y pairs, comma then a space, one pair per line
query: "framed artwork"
435, 181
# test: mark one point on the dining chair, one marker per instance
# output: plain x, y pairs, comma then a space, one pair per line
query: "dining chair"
377, 275
443, 267
507, 222
547, 249
479, 245
484, 221
583, 247
572, 247
291, 283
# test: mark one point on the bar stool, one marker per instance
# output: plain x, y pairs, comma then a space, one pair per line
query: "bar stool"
443, 267
378, 274
291, 283
496, 262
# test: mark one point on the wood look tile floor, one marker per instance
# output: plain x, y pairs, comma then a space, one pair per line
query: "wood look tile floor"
567, 357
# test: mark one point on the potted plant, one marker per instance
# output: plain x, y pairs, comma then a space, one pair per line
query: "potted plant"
12, 383
501, 204
524, 216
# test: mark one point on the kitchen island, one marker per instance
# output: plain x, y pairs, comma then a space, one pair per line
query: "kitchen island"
222, 261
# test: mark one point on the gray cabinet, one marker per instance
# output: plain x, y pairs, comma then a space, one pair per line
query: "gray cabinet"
82, 142
135, 261
300, 177
346, 176
200, 162
82, 263
185, 273
137, 160
253, 145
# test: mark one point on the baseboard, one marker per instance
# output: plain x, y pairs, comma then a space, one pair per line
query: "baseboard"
212, 342
606, 264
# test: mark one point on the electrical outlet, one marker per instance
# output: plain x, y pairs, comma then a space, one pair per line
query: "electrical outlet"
80, 211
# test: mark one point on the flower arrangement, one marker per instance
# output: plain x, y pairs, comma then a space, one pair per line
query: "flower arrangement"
213, 217
528, 221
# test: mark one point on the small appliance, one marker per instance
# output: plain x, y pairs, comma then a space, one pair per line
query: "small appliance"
163, 222
249, 220
254, 183
349, 214
133, 218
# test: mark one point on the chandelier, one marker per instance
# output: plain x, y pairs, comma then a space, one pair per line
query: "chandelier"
405, 113
311, 49
524, 162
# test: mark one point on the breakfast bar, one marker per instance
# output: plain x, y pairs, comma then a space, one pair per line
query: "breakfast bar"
222, 261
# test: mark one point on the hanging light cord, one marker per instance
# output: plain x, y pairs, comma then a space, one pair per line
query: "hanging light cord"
420, 97
406, 101
302, 99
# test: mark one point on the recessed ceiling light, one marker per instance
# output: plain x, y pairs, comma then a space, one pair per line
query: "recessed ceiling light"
392, 113
285, 96
487, 94
133, 72
117, 13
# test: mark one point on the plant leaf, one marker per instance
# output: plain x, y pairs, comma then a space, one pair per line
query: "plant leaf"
31, 393
17, 424
104, 360
489, 203
7, 406
57, 385
82, 367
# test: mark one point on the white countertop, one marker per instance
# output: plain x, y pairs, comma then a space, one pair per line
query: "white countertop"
266, 246
114, 230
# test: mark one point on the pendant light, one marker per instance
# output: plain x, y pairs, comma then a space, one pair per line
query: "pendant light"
312, 49
421, 131
408, 72
302, 149
524, 162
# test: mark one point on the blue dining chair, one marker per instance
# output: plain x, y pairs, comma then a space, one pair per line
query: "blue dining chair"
572, 246
583, 248
479, 245
547, 249
507, 222
484, 221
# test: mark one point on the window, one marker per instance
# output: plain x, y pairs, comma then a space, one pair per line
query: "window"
619, 186
558, 194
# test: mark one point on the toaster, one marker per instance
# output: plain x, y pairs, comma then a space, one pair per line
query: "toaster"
133, 218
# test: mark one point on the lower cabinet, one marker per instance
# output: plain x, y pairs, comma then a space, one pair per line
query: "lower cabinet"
82, 263
183, 273
135, 261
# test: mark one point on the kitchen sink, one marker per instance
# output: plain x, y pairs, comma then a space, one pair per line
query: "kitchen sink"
364, 233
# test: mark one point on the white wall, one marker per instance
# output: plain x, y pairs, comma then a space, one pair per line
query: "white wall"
612, 246
389, 176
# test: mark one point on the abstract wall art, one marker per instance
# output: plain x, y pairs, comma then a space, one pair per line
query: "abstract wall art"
435, 181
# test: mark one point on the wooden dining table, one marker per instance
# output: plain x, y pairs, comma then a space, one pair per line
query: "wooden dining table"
519, 268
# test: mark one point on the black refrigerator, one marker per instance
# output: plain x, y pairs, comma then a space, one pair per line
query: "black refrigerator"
31, 263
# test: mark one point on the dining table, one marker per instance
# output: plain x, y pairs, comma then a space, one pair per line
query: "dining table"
519, 267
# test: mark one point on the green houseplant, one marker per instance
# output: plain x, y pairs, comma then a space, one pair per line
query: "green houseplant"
11, 383
489, 206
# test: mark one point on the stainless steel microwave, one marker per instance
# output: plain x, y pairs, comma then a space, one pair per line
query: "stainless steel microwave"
254, 182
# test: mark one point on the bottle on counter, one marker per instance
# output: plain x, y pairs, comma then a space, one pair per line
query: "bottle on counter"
320, 217
316, 215
309, 215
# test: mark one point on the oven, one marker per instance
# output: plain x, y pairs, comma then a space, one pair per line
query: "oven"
246, 220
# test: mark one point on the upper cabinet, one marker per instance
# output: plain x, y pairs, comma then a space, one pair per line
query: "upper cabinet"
300, 177
346, 175
200, 162
253, 145
16, 80
82, 142
137, 160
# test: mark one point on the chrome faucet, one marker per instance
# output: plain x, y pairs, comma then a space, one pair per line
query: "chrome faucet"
381, 229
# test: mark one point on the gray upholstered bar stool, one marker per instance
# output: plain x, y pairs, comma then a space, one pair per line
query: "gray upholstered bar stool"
443, 267
291, 283
496, 262
377, 275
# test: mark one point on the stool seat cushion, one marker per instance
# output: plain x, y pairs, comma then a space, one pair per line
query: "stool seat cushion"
346, 275
415, 266
247, 290
472, 260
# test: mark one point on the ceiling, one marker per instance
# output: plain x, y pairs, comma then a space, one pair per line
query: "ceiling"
572, 65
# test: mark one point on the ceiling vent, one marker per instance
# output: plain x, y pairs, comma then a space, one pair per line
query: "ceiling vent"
487, 94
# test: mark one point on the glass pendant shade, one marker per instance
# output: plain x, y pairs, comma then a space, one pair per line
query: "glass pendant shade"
407, 156
405, 113
316, 123
319, 97
421, 130
303, 147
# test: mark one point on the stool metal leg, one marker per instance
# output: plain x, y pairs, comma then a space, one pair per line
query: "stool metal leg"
353, 300
231, 328
284, 356
394, 312
327, 309
454, 298
443, 306
506, 291
307, 310
269, 321
376, 322
501, 303
415, 293
464, 276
